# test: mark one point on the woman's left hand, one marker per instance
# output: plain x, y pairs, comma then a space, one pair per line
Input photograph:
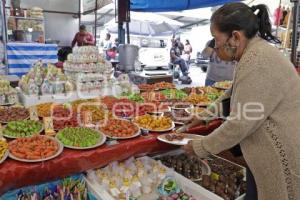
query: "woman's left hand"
193, 146
189, 148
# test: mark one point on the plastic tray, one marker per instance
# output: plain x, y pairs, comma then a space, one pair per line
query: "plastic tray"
186, 185
199, 187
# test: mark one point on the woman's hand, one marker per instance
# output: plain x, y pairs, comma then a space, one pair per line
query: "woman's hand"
189, 148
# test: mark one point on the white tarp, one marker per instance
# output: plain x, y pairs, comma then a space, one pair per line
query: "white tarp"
147, 24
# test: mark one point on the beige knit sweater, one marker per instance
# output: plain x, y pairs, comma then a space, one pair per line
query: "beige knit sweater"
271, 144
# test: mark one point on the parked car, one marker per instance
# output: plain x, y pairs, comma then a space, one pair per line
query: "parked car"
201, 62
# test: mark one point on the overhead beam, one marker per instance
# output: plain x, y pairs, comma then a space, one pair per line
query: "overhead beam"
195, 23
105, 14
177, 18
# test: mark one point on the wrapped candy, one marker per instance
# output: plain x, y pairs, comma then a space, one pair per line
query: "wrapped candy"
69, 86
147, 184
58, 86
2, 99
135, 188
115, 192
33, 89
125, 186
12, 97
168, 187
136, 181
128, 174
129, 164
46, 87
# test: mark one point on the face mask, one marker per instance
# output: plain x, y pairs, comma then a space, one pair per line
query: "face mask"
226, 52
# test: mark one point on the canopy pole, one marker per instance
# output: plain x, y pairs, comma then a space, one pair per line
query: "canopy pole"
127, 33
95, 22
121, 33
123, 9
295, 31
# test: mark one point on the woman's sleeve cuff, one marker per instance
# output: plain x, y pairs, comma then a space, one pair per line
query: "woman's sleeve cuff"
199, 149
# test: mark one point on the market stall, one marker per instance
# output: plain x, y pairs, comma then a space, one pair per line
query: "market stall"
139, 122
54, 134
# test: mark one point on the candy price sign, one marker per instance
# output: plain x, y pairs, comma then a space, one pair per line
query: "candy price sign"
48, 124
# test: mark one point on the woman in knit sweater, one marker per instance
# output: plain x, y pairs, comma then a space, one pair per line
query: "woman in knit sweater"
265, 102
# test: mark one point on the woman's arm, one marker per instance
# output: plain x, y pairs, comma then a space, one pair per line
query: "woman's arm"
255, 98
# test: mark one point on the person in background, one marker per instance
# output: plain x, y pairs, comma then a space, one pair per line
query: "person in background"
62, 56
263, 121
277, 15
116, 44
112, 52
187, 51
218, 70
107, 45
176, 59
83, 38
287, 17
284, 14
179, 45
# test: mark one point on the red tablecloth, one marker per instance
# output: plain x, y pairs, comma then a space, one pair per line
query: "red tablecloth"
15, 174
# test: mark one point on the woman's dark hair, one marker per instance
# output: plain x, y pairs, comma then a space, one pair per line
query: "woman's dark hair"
239, 16
187, 41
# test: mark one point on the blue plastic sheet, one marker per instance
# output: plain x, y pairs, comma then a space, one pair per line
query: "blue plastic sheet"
173, 5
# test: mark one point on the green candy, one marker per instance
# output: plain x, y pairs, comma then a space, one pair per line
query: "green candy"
79, 137
23, 128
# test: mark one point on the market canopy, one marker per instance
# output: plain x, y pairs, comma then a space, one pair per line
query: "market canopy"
174, 5
147, 24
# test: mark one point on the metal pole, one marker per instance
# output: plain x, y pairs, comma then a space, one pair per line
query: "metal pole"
5, 37
79, 13
295, 31
127, 32
121, 33
95, 25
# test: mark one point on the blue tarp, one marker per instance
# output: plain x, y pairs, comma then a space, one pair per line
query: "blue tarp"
173, 5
